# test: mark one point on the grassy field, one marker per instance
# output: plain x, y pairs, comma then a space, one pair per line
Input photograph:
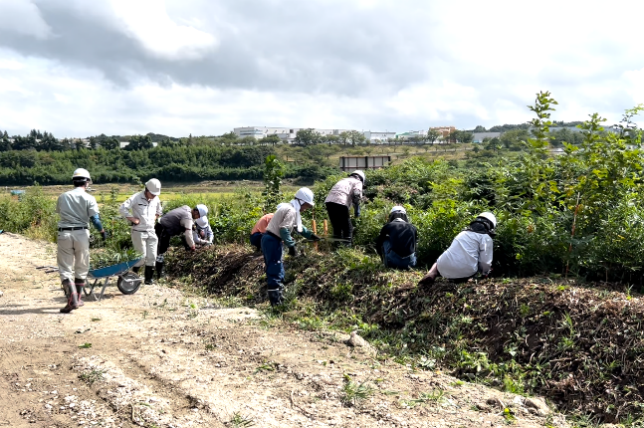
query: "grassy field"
170, 191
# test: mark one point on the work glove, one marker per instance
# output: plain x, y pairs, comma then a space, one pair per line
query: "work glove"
314, 237
292, 251
357, 211
104, 235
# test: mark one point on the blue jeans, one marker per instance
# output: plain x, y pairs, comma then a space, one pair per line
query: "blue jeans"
273, 255
256, 240
393, 260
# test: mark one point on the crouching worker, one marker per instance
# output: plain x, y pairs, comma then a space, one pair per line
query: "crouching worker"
286, 220
260, 229
470, 252
202, 232
142, 210
176, 222
396, 244
76, 209
345, 193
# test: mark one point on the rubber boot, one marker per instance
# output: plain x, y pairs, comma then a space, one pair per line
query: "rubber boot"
275, 296
79, 287
72, 299
136, 269
159, 269
149, 273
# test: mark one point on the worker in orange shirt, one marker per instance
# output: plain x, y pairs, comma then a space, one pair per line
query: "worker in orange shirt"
260, 229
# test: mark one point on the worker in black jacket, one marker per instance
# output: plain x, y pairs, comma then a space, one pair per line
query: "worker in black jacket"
397, 241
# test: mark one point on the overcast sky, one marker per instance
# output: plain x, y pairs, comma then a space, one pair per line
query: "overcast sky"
81, 67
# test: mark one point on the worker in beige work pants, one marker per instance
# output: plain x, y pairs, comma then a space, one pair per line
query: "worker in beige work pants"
77, 209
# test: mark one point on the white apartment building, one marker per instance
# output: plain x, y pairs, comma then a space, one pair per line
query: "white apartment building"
285, 134
379, 137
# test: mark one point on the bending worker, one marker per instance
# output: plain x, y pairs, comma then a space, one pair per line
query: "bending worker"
76, 209
470, 252
142, 210
345, 193
260, 229
397, 241
176, 222
202, 232
287, 219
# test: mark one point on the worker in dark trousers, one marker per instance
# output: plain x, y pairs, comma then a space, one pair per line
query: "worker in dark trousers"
397, 241
77, 209
176, 222
471, 252
285, 222
345, 193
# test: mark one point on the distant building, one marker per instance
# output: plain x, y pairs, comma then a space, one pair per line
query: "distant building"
408, 135
480, 136
349, 163
377, 137
285, 134
444, 131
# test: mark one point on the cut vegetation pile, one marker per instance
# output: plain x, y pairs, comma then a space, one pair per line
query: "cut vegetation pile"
577, 345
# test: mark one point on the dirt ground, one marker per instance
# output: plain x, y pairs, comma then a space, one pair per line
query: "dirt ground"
163, 359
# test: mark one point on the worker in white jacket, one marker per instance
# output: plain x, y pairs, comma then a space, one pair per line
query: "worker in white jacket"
345, 193
470, 253
142, 210
202, 233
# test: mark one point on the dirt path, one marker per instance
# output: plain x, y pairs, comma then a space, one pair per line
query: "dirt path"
162, 359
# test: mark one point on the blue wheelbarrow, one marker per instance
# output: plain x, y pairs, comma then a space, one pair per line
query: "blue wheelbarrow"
128, 282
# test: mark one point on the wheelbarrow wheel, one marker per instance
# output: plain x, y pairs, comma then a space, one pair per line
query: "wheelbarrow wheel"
129, 283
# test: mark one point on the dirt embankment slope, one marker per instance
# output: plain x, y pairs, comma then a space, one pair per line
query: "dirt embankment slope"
163, 359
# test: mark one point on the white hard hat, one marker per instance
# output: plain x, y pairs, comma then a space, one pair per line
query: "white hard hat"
305, 195
488, 215
203, 210
202, 221
360, 174
81, 173
154, 186
398, 209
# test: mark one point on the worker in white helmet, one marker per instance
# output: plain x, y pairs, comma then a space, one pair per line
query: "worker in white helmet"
397, 241
176, 222
142, 210
470, 253
202, 233
343, 194
77, 209
286, 220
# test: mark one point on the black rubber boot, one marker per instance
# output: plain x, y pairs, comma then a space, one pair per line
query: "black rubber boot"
136, 269
159, 269
80, 283
149, 273
72, 297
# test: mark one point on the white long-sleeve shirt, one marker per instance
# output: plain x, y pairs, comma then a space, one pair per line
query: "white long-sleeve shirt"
469, 253
146, 211
346, 192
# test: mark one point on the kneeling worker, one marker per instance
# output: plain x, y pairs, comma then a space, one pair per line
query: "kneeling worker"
260, 229
470, 252
286, 220
76, 209
142, 210
202, 232
176, 222
397, 241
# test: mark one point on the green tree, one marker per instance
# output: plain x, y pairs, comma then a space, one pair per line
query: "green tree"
356, 138
433, 135
140, 142
307, 137
271, 139
273, 173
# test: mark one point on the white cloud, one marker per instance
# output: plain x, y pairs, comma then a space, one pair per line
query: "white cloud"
148, 22
23, 17
364, 64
